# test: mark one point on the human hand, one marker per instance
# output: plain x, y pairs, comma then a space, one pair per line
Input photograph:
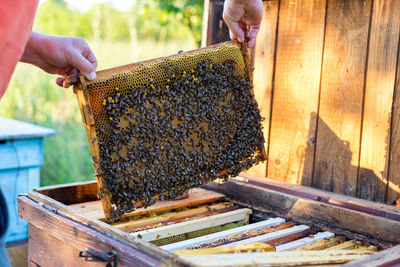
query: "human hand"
243, 18
65, 56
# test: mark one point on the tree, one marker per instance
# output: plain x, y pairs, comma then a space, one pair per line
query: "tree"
188, 11
56, 17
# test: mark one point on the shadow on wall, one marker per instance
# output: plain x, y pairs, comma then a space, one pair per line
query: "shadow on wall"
334, 172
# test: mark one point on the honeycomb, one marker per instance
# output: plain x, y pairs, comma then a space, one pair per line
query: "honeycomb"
197, 233
243, 236
169, 124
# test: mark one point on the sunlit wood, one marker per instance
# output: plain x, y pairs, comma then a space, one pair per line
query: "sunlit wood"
296, 89
378, 101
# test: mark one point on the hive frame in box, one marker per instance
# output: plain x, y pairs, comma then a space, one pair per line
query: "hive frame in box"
89, 120
198, 224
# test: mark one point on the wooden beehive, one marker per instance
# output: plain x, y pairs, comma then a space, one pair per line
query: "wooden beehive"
322, 227
326, 80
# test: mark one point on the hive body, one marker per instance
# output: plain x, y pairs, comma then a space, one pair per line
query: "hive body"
163, 126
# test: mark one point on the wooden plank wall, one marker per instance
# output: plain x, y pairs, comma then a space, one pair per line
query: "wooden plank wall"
327, 82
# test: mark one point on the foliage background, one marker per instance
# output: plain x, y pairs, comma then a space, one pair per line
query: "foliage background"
151, 28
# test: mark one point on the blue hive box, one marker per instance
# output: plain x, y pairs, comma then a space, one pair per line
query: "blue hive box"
21, 155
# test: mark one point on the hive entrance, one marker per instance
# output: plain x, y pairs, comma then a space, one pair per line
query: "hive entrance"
163, 126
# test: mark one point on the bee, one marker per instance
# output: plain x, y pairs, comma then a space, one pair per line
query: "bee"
203, 122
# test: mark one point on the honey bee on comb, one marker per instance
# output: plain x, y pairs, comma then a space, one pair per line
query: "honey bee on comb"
171, 124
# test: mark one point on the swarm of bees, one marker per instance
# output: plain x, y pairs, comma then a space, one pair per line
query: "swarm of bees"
158, 139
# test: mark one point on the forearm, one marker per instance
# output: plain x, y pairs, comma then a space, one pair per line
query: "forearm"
43, 50
30, 54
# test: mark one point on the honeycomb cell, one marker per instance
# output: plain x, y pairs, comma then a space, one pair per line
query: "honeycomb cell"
174, 123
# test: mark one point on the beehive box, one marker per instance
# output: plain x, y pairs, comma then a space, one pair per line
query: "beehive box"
326, 80
267, 221
21, 155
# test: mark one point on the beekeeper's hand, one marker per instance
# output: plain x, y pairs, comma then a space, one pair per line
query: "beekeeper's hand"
60, 55
243, 18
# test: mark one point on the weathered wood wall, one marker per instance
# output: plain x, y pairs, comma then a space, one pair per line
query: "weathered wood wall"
327, 81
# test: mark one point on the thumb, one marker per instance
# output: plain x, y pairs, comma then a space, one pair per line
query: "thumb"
78, 61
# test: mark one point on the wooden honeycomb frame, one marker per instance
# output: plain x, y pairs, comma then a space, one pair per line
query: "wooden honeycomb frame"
87, 109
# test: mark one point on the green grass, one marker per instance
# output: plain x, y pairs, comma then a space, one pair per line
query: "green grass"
33, 96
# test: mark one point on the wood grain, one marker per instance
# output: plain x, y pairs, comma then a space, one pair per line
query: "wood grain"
324, 215
46, 250
78, 236
356, 221
381, 69
351, 244
297, 258
197, 196
71, 193
254, 247
393, 193
129, 225
207, 23
89, 124
348, 202
389, 257
295, 99
62, 210
292, 237
263, 63
341, 96
205, 214
194, 225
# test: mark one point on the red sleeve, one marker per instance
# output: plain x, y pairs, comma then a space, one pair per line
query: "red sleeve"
16, 20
